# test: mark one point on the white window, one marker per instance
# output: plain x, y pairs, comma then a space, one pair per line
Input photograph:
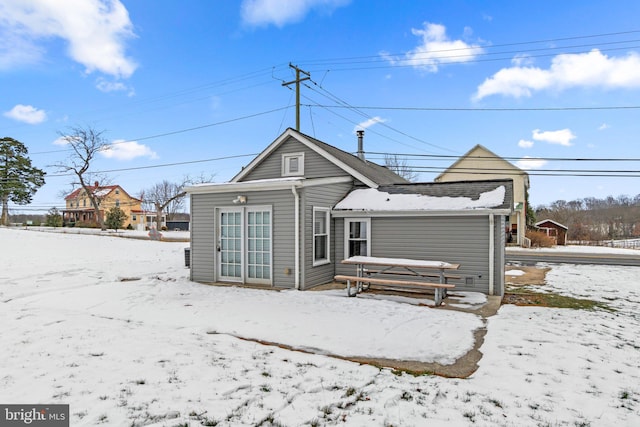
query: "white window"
357, 237
117, 203
321, 236
293, 164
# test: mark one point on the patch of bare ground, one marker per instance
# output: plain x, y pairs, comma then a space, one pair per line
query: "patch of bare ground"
528, 289
518, 287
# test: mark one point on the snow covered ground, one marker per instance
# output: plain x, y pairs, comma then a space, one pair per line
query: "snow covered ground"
114, 328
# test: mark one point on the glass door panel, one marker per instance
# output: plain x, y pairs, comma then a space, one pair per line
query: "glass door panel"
259, 246
230, 245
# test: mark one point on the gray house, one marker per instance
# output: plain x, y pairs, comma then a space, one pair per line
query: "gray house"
301, 206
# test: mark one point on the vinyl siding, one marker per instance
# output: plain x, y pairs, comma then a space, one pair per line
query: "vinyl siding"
315, 166
500, 236
321, 197
203, 237
461, 240
203, 233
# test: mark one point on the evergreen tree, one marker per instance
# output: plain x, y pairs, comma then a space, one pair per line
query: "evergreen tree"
115, 218
530, 214
19, 180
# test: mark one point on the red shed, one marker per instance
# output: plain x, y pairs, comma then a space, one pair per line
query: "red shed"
555, 230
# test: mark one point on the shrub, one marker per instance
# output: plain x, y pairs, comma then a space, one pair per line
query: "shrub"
54, 218
87, 224
539, 239
115, 218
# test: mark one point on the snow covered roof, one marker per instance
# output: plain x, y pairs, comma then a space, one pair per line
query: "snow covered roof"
100, 191
448, 196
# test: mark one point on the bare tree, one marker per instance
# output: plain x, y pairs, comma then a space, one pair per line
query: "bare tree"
168, 196
164, 196
596, 219
400, 166
85, 144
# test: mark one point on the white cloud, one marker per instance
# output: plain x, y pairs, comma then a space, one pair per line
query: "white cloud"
603, 126
523, 143
560, 137
521, 60
107, 86
15, 51
61, 141
437, 49
282, 12
95, 30
528, 163
368, 123
27, 114
592, 69
127, 150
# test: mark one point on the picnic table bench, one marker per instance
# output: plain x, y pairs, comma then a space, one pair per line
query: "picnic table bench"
385, 267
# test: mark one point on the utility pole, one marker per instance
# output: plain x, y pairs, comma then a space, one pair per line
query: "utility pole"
297, 82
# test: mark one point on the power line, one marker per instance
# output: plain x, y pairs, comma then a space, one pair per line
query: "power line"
572, 159
363, 107
345, 104
427, 58
250, 116
555, 40
569, 173
189, 162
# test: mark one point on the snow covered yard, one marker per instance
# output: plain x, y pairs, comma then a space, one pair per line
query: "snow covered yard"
114, 328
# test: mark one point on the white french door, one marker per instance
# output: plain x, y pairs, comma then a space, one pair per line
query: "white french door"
230, 245
244, 245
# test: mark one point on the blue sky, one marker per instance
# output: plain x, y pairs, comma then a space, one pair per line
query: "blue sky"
197, 85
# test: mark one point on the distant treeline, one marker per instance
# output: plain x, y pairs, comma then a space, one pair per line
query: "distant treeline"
25, 218
596, 219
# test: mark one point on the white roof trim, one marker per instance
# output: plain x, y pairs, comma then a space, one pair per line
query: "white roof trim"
414, 213
261, 184
312, 146
265, 153
264, 185
335, 161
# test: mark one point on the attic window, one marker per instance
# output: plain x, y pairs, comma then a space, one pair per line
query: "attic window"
293, 164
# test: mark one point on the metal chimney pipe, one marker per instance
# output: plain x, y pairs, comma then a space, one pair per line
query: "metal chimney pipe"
360, 134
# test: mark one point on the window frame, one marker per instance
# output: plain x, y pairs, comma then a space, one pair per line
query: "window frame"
347, 239
326, 212
286, 164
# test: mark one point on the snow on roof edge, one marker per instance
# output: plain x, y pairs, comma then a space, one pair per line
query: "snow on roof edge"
375, 200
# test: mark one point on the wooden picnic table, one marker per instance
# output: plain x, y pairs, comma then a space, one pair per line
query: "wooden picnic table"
387, 267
